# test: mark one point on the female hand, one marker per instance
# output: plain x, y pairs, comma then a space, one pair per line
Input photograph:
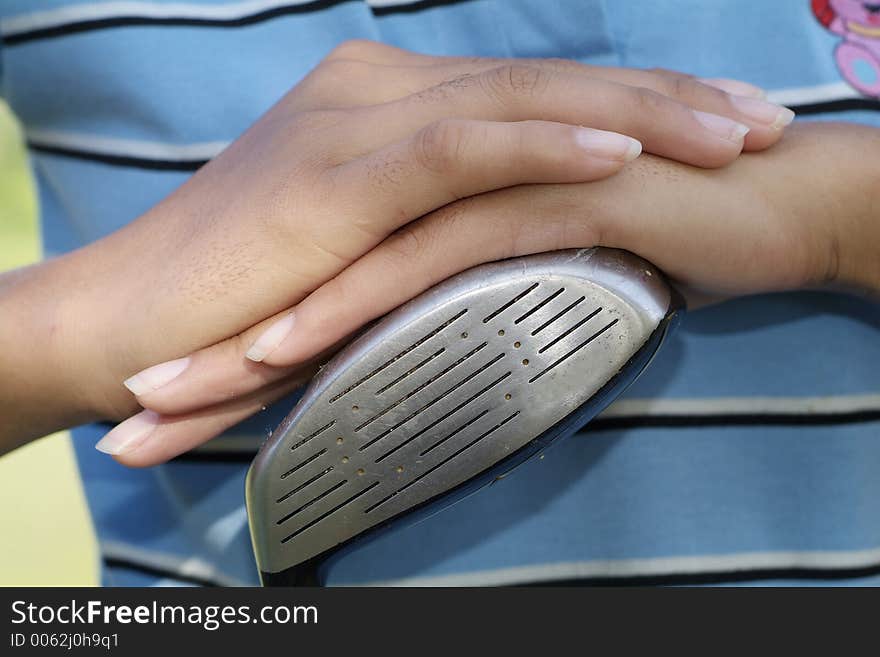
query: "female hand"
373, 139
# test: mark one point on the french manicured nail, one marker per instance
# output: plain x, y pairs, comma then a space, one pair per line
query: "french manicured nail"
129, 434
722, 126
608, 145
271, 338
153, 378
760, 111
735, 87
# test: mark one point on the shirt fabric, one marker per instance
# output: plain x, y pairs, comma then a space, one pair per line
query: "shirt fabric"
749, 450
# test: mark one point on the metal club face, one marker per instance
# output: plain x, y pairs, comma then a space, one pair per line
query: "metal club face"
446, 387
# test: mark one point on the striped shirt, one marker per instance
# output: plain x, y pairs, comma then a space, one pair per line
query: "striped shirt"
749, 452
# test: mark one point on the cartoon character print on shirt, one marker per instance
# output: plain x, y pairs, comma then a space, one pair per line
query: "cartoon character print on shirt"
858, 55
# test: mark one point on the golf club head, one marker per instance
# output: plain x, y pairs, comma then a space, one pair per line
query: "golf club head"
448, 393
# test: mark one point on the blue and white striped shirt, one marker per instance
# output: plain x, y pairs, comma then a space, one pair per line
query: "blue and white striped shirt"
750, 451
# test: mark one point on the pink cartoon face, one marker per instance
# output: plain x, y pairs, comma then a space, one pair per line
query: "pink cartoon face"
858, 53
864, 13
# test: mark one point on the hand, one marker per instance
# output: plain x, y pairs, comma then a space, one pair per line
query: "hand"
374, 138
802, 215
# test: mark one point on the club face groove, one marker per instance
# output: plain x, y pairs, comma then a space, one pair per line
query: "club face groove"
443, 389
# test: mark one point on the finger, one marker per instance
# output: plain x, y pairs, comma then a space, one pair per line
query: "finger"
453, 159
517, 93
733, 99
218, 374
149, 438
457, 65
424, 253
222, 372
345, 83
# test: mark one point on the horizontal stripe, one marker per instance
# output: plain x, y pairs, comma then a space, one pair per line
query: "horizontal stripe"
652, 413
207, 454
738, 411
719, 578
164, 577
124, 152
823, 99
385, 7
119, 160
188, 569
732, 420
830, 564
116, 147
160, 156
743, 405
820, 93
98, 11
98, 16
834, 106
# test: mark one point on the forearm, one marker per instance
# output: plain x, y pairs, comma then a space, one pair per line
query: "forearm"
73, 328
42, 388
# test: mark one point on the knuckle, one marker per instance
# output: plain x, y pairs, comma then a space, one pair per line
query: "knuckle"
444, 90
352, 49
337, 84
561, 65
675, 84
334, 74
679, 86
659, 70
406, 243
438, 147
685, 88
415, 241
515, 81
648, 101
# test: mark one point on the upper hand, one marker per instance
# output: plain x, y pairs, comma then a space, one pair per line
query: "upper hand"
373, 139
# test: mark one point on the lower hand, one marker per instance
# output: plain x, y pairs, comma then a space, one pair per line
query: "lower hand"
374, 138
784, 220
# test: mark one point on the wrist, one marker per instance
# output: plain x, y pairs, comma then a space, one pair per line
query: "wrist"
856, 238
87, 340
39, 393
837, 202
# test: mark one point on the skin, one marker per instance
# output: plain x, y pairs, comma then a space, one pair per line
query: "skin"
803, 215
337, 174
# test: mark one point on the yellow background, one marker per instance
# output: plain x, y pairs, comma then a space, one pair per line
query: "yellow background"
46, 537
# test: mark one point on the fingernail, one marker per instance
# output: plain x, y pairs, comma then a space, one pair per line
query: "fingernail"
722, 126
608, 145
269, 341
153, 378
129, 434
736, 87
776, 116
